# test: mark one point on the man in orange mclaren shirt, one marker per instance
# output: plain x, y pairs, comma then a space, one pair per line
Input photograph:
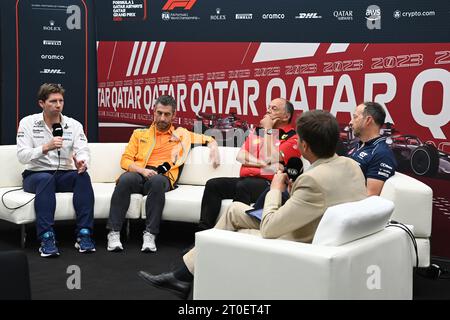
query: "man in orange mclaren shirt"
262, 155
148, 149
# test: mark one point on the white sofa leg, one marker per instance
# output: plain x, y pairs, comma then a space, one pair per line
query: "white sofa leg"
23, 235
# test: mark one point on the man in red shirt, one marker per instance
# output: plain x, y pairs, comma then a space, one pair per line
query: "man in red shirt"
264, 152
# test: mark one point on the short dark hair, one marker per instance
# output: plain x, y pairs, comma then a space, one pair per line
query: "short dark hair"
48, 88
320, 130
166, 100
289, 107
376, 111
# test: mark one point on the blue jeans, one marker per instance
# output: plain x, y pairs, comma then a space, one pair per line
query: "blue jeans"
45, 184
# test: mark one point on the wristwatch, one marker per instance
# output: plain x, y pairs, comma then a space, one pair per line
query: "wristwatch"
269, 131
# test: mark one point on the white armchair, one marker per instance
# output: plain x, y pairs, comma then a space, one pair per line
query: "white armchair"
375, 264
413, 206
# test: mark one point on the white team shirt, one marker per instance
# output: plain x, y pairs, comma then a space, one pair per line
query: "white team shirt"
33, 133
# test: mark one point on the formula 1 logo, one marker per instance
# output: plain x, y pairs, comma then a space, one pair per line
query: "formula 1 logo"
185, 4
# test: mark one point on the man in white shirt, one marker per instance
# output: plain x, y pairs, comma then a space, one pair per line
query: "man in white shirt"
55, 151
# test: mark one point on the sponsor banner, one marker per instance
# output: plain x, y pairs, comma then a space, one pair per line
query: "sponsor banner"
233, 83
178, 10
47, 41
412, 81
264, 20
126, 10
52, 31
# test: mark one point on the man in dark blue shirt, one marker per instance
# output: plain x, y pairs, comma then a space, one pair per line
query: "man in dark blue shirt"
376, 159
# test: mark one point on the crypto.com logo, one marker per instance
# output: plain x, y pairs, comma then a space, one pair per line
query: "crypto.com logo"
185, 4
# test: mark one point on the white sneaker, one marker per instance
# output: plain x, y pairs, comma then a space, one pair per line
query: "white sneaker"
114, 243
148, 242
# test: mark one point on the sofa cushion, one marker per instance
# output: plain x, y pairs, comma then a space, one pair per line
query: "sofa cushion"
197, 169
413, 202
11, 171
64, 204
104, 165
184, 204
15, 199
103, 193
350, 221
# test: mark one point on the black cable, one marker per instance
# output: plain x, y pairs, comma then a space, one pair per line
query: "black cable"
15, 208
404, 227
433, 271
411, 235
400, 225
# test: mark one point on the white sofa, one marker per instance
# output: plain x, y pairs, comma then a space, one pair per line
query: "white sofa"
413, 206
413, 199
234, 265
182, 204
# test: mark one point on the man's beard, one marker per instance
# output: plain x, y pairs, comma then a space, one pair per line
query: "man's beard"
162, 125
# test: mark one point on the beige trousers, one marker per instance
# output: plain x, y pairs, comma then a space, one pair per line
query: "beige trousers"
235, 219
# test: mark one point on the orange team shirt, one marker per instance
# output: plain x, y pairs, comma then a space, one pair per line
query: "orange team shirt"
163, 149
287, 146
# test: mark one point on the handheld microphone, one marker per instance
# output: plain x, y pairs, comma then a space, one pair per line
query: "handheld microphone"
294, 168
57, 131
163, 168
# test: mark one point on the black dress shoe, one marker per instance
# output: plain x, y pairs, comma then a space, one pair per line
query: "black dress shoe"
167, 281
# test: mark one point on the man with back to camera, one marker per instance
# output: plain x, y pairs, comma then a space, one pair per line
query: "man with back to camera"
55, 151
330, 180
261, 156
147, 150
376, 159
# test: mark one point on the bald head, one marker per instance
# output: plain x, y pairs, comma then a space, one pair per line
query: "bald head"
282, 109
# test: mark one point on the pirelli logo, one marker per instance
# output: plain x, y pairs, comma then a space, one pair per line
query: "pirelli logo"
51, 42
185, 4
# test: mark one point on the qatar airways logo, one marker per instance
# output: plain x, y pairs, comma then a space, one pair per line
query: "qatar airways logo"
343, 15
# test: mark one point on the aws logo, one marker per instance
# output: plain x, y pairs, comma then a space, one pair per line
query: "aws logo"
185, 4
373, 16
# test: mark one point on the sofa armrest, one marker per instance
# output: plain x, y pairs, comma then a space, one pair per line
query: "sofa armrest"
232, 265
413, 202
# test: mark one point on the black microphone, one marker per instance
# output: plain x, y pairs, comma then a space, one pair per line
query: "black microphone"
57, 131
163, 168
294, 168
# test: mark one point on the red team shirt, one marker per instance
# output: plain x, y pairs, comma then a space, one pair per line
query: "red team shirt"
286, 142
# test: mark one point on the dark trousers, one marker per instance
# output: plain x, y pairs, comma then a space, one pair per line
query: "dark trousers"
259, 203
154, 187
44, 184
246, 190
